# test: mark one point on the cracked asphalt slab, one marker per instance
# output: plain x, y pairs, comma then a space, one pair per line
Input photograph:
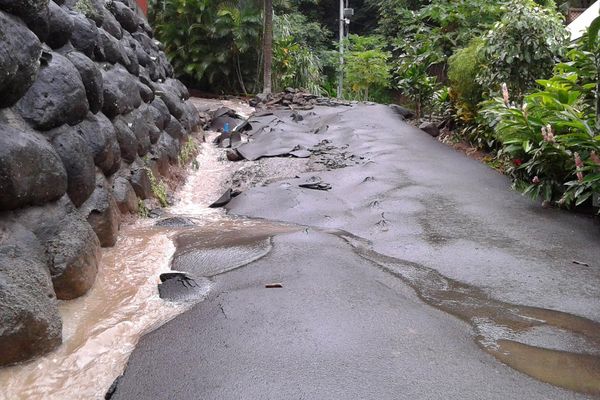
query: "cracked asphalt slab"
443, 272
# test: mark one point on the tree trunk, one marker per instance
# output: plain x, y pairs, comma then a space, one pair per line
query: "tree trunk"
239, 74
268, 46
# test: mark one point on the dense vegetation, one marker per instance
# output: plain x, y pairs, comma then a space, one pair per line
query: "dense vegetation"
497, 73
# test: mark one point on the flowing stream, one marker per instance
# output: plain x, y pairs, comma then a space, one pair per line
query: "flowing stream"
101, 329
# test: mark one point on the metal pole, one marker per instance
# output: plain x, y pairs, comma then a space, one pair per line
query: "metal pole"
340, 90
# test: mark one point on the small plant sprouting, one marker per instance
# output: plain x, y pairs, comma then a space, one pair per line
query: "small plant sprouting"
159, 190
187, 153
143, 211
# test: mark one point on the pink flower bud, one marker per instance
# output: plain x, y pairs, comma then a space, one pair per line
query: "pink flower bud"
579, 165
578, 162
549, 134
594, 157
535, 180
505, 95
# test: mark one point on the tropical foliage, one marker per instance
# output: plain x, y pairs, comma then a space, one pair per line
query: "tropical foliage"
212, 42
522, 47
366, 66
552, 139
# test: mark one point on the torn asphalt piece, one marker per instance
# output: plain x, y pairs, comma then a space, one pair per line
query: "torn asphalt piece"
225, 198
315, 183
179, 286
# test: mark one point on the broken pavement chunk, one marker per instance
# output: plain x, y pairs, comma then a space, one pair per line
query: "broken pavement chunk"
315, 183
223, 200
179, 286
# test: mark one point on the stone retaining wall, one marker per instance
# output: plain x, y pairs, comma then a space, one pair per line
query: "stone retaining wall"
87, 106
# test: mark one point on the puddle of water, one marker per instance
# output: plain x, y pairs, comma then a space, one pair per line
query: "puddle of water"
552, 346
219, 248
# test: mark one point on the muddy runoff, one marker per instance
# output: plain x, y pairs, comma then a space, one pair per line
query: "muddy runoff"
552, 346
101, 329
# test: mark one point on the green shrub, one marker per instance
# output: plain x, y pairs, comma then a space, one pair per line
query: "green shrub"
366, 66
412, 77
295, 65
550, 142
522, 47
466, 93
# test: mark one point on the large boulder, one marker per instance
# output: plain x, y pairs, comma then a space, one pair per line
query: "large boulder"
75, 253
30, 324
111, 25
34, 12
91, 77
127, 139
175, 129
56, 97
431, 128
170, 145
173, 101
78, 160
125, 196
24, 8
125, 15
112, 49
60, 25
149, 114
20, 51
99, 133
140, 181
69, 242
177, 87
103, 213
121, 93
149, 45
85, 37
131, 63
30, 170
190, 117
141, 129
164, 116
146, 92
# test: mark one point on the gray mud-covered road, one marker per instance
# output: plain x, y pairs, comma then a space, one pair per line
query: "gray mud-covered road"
419, 274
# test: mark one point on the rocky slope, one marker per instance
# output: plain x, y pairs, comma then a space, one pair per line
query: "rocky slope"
89, 113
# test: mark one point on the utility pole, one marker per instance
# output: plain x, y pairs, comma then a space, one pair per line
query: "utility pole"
268, 46
340, 90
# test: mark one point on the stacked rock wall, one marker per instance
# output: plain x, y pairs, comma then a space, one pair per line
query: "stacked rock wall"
87, 105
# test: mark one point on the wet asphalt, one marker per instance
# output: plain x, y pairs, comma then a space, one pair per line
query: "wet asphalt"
343, 327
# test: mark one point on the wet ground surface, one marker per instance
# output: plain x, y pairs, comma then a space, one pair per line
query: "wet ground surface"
417, 275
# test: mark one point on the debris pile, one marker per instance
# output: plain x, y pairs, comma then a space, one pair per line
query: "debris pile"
294, 99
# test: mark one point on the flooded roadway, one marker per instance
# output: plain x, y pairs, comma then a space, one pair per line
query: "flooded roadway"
335, 315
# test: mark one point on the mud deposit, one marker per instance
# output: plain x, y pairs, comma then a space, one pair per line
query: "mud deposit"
555, 347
